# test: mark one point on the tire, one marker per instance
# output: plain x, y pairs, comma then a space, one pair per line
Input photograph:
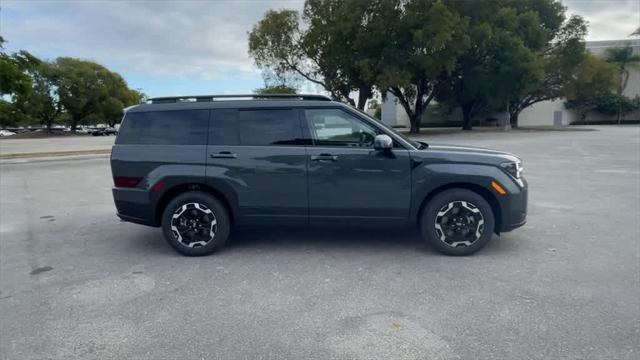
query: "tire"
457, 222
209, 236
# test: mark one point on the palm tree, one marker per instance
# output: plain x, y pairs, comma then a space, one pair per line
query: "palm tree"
624, 59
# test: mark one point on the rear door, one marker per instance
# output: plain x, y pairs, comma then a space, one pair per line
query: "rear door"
258, 154
349, 181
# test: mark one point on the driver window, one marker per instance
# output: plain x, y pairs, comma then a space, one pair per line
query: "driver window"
334, 127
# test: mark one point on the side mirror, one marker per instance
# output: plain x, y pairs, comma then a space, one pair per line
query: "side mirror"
382, 142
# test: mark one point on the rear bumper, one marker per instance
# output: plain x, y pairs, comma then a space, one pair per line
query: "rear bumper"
134, 205
514, 207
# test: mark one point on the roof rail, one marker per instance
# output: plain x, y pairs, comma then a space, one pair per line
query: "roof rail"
206, 98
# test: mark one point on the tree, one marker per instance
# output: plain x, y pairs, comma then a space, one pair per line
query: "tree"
560, 60
276, 89
87, 89
508, 39
13, 83
41, 103
595, 80
426, 39
349, 40
623, 58
274, 84
335, 47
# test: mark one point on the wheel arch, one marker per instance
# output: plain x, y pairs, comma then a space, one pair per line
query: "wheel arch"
478, 189
174, 191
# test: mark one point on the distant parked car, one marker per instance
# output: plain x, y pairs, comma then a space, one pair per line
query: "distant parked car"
104, 131
6, 133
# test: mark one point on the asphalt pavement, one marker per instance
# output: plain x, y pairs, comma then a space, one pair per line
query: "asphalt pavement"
75, 282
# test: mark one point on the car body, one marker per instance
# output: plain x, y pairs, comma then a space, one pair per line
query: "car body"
306, 161
4, 132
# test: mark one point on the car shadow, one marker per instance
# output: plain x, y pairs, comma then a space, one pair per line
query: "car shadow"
265, 240
324, 238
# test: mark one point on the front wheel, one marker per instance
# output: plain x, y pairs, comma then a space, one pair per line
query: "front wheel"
457, 222
196, 223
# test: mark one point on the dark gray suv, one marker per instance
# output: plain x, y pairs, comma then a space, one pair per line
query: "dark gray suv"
196, 166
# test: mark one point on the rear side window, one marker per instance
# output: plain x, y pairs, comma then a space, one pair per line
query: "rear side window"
255, 127
183, 127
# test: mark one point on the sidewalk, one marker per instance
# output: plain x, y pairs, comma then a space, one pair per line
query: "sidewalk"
61, 146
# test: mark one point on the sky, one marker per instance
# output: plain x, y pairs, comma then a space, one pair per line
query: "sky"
195, 47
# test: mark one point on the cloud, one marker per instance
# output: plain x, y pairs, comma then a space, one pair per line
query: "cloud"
608, 19
205, 39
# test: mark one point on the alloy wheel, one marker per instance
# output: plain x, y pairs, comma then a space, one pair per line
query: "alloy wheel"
194, 225
459, 223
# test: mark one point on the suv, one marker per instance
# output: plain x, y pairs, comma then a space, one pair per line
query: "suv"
196, 166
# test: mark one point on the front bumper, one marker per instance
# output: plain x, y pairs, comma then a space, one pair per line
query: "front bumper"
514, 207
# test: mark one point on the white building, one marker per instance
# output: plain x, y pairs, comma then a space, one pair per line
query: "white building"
546, 113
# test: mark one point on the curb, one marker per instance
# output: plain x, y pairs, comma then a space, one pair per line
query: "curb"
53, 154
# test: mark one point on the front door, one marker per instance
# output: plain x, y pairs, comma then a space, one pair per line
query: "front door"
349, 181
256, 153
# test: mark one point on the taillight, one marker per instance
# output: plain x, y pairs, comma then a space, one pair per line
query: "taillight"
126, 181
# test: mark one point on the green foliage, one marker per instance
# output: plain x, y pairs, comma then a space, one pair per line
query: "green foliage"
12, 80
276, 89
66, 89
560, 62
430, 37
479, 56
334, 44
595, 81
515, 44
40, 104
85, 88
614, 104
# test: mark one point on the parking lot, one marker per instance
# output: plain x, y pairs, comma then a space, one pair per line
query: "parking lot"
77, 282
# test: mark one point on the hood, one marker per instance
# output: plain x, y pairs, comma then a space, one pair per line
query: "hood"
468, 154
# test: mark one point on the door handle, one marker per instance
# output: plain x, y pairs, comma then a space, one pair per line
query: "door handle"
223, 155
324, 157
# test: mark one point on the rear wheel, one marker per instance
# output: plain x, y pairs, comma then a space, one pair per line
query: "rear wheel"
457, 222
195, 223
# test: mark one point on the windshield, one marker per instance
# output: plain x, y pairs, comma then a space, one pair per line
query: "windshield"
414, 143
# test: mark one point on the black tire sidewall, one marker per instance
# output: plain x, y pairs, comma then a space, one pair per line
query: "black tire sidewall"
427, 221
218, 209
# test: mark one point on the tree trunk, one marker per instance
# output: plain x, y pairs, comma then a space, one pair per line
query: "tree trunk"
74, 123
466, 117
415, 124
364, 93
49, 122
513, 119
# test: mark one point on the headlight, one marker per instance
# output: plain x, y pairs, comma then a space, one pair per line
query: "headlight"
513, 168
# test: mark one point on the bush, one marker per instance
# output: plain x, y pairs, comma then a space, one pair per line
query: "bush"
608, 104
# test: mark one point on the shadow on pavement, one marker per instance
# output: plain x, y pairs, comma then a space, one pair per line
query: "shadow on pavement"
269, 240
